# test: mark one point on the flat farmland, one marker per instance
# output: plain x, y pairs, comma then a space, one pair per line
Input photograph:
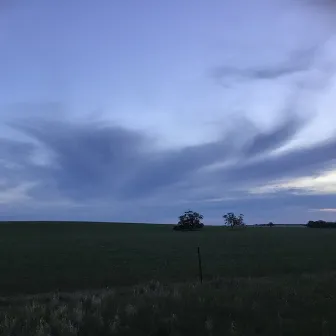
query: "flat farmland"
134, 279
45, 257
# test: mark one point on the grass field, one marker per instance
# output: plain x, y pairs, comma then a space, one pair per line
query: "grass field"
258, 281
43, 257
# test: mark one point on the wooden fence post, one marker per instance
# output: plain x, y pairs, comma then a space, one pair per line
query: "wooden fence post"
200, 264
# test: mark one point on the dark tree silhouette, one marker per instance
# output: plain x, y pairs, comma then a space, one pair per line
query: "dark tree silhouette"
232, 220
189, 221
320, 224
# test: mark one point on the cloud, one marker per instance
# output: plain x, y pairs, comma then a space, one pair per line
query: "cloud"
16, 194
94, 163
87, 159
325, 210
96, 169
298, 62
284, 131
16, 166
90, 160
324, 183
293, 163
22, 150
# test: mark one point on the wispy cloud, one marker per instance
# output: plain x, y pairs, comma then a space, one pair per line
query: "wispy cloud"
298, 62
325, 210
92, 159
16, 194
323, 183
94, 164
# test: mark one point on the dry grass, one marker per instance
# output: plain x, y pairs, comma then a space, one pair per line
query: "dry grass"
302, 305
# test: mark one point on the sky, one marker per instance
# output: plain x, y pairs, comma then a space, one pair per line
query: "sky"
137, 111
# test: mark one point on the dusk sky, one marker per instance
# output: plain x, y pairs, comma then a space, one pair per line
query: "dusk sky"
140, 110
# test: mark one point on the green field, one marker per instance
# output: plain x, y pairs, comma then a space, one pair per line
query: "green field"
43, 257
258, 281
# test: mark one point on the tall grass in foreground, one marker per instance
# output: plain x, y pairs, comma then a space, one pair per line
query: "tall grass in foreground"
304, 305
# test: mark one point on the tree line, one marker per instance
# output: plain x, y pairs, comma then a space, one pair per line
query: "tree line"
320, 224
191, 220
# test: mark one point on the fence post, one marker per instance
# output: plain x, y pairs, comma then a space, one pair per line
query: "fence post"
200, 264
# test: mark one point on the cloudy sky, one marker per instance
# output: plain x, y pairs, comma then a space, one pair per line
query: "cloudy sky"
140, 110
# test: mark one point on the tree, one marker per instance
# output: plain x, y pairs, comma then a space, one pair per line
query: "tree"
189, 221
232, 220
320, 224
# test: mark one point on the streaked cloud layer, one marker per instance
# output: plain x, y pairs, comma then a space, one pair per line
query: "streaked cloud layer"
138, 112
